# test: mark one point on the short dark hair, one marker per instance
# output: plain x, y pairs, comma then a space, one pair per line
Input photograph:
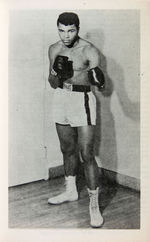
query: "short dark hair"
68, 18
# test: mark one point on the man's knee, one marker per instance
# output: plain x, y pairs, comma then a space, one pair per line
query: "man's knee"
67, 149
87, 154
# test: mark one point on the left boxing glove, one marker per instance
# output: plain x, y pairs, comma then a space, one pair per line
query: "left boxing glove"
63, 67
96, 77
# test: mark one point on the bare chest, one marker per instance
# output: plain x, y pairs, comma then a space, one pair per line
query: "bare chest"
77, 56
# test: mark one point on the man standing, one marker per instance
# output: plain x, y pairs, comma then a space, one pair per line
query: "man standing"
74, 73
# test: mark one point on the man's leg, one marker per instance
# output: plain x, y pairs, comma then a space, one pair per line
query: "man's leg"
69, 147
68, 138
86, 145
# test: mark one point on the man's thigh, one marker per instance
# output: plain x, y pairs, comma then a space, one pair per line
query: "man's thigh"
86, 135
67, 134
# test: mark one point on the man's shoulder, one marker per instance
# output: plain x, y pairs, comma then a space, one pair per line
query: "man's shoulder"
54, 47
85, 43
88, 46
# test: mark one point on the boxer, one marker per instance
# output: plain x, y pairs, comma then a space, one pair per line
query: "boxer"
74, 73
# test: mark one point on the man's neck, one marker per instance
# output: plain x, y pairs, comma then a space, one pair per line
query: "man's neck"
74, 43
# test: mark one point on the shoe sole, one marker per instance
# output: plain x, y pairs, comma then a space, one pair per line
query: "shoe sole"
67, 201
97, 227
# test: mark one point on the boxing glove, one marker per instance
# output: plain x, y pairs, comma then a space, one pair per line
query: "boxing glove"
96, 77
63, 67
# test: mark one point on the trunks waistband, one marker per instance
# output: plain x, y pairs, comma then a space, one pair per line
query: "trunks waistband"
76, 88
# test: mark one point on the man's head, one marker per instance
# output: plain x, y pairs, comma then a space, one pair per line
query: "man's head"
68, 28
68, 18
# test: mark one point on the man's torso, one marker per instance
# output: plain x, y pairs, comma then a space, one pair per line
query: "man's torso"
78, 55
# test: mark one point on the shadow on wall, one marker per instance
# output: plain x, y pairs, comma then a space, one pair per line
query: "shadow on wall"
105, 137
105, 140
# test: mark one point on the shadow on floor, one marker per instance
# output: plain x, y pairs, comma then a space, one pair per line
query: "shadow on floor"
108, 190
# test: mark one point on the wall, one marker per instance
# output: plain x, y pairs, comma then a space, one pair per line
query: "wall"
116, 33
27, 161
118, 37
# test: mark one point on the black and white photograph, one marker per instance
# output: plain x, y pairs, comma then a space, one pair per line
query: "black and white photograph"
75, 121
74, 105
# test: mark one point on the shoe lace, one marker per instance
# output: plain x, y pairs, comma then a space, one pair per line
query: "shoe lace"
93, 200
65, 183
67, 188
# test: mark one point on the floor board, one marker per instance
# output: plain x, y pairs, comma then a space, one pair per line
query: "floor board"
28, 207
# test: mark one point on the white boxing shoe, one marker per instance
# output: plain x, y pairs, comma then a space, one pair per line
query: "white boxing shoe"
96, 219
69, 195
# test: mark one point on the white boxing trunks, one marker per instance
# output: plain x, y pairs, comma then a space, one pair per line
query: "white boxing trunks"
74, 108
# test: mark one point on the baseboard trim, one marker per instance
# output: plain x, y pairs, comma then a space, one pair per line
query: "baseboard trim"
56, 171
124, 180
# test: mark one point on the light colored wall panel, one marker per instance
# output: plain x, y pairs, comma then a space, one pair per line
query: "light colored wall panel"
116, 33
27, 158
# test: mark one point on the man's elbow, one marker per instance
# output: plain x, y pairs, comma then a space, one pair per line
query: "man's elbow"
53, 82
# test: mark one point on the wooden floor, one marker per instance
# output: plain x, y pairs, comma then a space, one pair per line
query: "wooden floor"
28, 207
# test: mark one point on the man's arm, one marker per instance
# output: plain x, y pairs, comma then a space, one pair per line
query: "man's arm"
60, 68
52, 78
93, 56
95, 73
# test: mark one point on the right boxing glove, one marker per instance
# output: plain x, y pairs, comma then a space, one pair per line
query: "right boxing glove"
63, 67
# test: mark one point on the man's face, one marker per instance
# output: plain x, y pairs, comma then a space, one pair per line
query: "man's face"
67, 33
